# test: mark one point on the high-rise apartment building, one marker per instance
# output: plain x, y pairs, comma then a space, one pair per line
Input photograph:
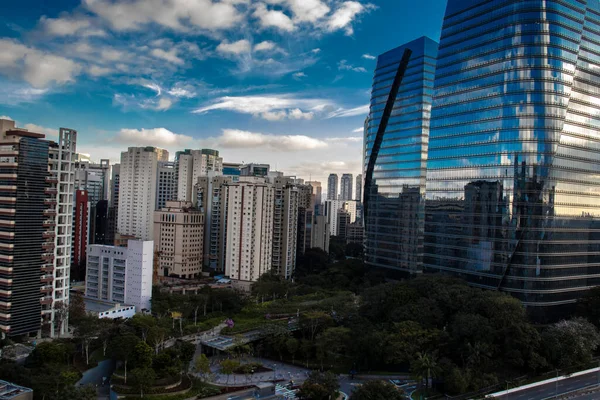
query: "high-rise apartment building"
285, 226
27, 231
121, 274
81, 231
247, 226
512, 180
306, 207
332, 207
61, 157
192, 164
93, 178
346, 187
253, 169
165, 183
332, 187
395, 162
208, 199
320, 233
113, 209
317, 191
342, 222
137, 191
358, 187
179, 239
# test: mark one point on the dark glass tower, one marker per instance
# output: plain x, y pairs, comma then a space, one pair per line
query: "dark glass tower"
513, 188
396, 137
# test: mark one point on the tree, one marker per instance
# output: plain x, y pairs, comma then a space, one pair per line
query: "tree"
143, 379
313, 261
425, 367
73, 393
85, 330
156, 337
122, 347
61, 312
202, 365
142, 355
76, 309
228, 367
377, 390
312, 322
589, 306
333, 343
319, 386
292, 345
569, 343
142, 324
186, 353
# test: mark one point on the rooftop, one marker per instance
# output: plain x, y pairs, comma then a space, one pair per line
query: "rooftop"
98, 306
10, 390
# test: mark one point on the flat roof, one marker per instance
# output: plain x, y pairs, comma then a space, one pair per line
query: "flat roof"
21, 132
98, 306
10, 390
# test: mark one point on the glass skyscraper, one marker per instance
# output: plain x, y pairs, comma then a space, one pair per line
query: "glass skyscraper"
513, 176
396, 136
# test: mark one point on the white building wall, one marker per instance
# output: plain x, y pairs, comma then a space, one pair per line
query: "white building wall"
332, 207
137, 191
138, 290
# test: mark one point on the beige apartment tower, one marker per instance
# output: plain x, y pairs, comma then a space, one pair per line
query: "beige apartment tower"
247, 228
179, 239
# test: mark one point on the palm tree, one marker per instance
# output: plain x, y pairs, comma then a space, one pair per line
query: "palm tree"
425, 366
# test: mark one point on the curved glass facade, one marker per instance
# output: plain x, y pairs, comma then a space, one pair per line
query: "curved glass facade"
513, 174
394, 197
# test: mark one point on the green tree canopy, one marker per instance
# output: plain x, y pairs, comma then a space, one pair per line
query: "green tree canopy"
377, 390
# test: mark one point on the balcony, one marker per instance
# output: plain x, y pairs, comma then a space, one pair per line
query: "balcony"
48, 234
52, 191
46, 289
49, 223
50, 212
47, 279
48, 257
51, 179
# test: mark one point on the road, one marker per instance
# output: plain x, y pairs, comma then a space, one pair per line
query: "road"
549, 390
94, 377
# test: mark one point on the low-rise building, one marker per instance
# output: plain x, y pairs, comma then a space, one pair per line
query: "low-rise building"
10, 391
121, 274
108, 309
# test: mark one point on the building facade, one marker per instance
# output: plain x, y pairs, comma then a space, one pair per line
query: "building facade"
514, 150
192, 164
395, 161
247, 228
27, 222
317, 191
285, 226
121, 274
165, 183
358, 187
81, 231
320, 233
179, 239
332, 187
332, 207
346, 187
137, 191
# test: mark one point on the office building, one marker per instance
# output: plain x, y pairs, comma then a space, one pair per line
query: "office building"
355, 233
358, 196
285, 226
306, 201
320, 233
332, 187
208, 199
512, 180
395, 162
179, 239
121, 274
93, 178
165, 183
61, 157
233, 170
253, 169
113, 209
137, 191
343, 220
192, 164
27, 231
317, 191
332, 207
247, 228
102, 227
346, 187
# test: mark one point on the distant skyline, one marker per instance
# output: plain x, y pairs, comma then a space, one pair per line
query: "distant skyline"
284, 82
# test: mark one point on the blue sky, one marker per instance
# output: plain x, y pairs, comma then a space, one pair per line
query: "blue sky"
284, 82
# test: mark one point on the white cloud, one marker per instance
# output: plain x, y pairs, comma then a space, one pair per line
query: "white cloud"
342, 18
234, 138
110, 54
40, 129
344, 66
239, 47
164, 104
316, 51
96, 70
273, 108
273, 19
299, 75
265, 46
160, 137
353, 112
154, 87
349, 139
64, 26
358, 130
182, 91
6, 117
36, 67
368, 57
180, 15
170, 55
308, 10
